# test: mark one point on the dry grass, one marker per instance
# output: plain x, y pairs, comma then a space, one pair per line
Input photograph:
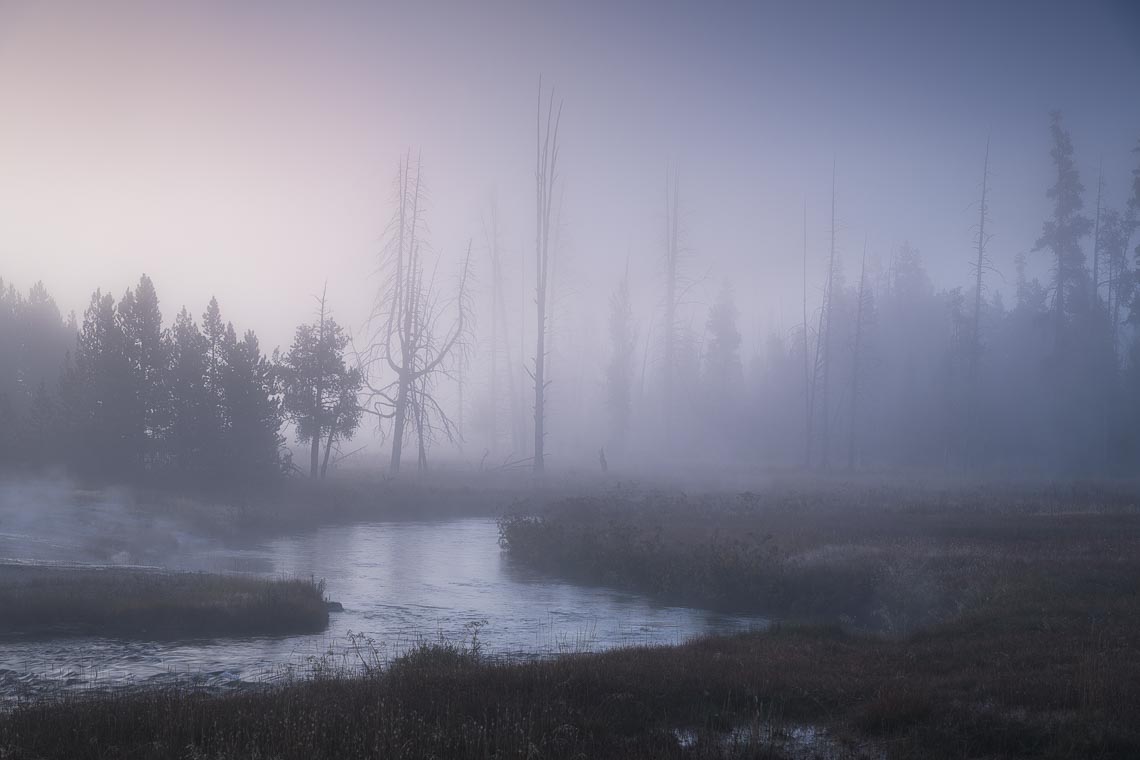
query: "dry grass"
38, 601
888, 559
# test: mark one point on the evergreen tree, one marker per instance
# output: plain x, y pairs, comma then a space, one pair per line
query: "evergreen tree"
42, 427
619, 372
320, 390
253, 413
722, 356
1062, 234
190, 412
148, 352
103, 394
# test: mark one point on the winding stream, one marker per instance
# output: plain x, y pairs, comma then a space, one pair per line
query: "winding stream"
399, 583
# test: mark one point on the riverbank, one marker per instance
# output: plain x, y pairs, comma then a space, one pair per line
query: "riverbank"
889, 559
39, 601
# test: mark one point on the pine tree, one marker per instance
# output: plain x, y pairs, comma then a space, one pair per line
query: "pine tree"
253, 412
320, 390
148, 352
104, 393
619, 372
190, 402
722, 357
1062, 234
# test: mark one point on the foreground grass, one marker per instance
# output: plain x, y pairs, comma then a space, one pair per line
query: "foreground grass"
39, 601
1049, 668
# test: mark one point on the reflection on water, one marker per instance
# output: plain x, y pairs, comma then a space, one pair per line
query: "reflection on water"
399, 583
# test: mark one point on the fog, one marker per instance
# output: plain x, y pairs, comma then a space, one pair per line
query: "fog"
249, 153
569, 379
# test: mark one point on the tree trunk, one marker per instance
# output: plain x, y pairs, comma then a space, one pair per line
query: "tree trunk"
826, 337
974, 414
808, 401
315, 454
399, 416
671, 251
328, 448
545, 172
855, 362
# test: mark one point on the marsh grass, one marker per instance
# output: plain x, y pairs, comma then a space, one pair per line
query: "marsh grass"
885, 559
1022, 676
128, 602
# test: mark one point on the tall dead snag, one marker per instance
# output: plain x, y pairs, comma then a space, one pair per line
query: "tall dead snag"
672, 265
980, 265
501, 342
414, 335
546, 163
809, 377
1096, 239
825, 336
857, 360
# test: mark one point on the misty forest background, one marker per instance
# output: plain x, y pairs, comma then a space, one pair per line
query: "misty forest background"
886, 370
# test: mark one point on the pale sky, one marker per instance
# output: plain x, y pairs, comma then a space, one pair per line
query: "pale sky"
246, 150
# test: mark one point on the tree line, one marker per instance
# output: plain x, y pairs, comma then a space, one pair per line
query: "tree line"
121, 395
885, 371
889, 370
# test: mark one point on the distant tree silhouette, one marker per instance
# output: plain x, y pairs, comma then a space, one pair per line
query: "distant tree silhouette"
148, 354
253, 410
320, 389
414, 334
722, 352
619, 371
1062, 234
545, 175
190, 415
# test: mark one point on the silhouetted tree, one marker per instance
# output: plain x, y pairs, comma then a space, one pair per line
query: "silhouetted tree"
251, 442
147, 352
825, 336
722, 352
546, 172
619, 371
408, 334
1062, 234
190, 411
861, 308
320, 389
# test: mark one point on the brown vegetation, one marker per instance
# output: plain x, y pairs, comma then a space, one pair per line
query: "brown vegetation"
38, 601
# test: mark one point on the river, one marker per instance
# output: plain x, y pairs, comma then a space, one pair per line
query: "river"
400, 583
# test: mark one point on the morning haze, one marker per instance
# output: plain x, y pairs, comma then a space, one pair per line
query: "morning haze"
628, 380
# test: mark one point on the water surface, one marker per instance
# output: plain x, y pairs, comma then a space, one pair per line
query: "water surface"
400, 583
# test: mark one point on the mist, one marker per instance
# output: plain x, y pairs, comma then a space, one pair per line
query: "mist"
684, 380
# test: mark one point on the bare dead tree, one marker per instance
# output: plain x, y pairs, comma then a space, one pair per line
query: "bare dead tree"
546, 166
825, 336
1096, 238
809, 377
672, 265
414, 336
501, 341
981, 264
857, 359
